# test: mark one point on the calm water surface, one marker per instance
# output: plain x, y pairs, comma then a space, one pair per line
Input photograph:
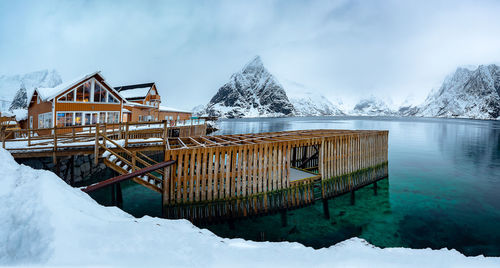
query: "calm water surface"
443, 189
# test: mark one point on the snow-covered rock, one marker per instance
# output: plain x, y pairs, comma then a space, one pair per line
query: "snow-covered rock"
20, 101
408, 107
251, 92
309, 103
372, 106
11, 84
467, 93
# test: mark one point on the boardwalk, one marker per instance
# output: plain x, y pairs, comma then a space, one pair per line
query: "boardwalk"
233, 176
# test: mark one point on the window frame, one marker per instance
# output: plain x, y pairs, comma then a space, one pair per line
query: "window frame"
93, 82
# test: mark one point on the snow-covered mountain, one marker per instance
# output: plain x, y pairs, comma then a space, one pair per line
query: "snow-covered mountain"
251, 92
309, 103
10, 84
467, 93
372, 106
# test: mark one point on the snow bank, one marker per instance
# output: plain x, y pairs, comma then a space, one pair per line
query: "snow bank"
43, 221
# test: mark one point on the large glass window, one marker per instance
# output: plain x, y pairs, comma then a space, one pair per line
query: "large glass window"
60, 119
70, 96
45, 120
112, 99
79, 93
99, 93
94, 118
113, 117
64, 119
102, 117
78, 119
87, 119
86, 91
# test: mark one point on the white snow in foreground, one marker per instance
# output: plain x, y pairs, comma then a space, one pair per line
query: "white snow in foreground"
43, 221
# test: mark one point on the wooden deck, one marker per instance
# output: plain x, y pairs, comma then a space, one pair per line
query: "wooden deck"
233, 176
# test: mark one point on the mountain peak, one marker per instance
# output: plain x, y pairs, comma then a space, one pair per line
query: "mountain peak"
254, 64
251, 92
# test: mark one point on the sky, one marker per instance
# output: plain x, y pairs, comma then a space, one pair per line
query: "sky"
394, 50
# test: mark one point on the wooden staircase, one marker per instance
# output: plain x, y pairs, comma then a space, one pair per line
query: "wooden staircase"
124, 161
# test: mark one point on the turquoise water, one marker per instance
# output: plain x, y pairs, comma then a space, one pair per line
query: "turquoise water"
443, 189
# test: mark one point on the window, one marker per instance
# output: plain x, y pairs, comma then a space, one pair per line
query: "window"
45, 120
64, 119
140, 118
70, 96
79, 93
102, 117
94, 118
99, 93
113, 117
86, 91
112, 99
60, 119
87, 119
31, 121
78, 119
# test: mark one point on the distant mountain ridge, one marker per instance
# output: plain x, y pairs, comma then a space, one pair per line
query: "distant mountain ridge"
466, 93
372, 106
11, 84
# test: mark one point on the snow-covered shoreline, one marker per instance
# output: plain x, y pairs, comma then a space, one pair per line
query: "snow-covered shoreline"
46, 222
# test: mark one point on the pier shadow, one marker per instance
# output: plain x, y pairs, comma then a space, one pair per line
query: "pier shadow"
309, 225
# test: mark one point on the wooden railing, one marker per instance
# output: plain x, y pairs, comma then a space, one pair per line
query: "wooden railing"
69, 135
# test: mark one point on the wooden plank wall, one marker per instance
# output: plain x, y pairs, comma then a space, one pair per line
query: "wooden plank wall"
223, 182
349, 161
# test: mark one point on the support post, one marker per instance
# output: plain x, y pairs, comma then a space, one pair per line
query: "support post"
73, 134
29, 135
54, 157
353, 198
119, 196
326, 211
164, 195
375, 188
284, 220
126, 134
165, 133
3, 137
96, 149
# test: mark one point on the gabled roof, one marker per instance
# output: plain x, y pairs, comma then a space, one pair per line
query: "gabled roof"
137, 91
49, 93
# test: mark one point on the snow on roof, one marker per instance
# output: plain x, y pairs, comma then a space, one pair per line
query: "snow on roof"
135, 93
20, 114
131, 103
170, 109
49, 93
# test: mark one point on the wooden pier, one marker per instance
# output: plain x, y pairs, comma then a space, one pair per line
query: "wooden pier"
224, 177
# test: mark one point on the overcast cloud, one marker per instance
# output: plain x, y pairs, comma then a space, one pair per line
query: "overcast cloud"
346, 49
